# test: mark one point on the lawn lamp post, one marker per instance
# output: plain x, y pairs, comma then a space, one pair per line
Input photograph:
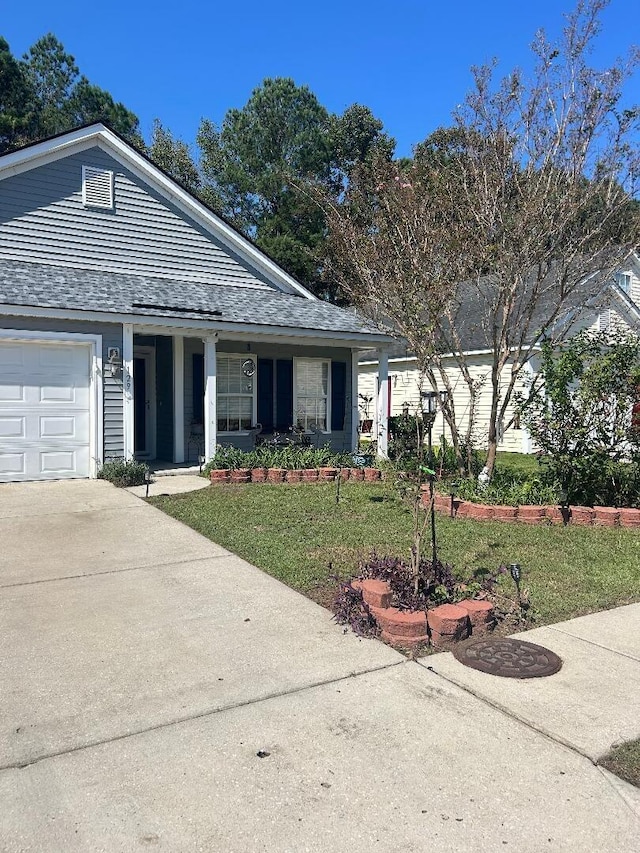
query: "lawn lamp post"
429, 409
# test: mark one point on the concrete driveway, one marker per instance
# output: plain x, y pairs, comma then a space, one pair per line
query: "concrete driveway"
157, 691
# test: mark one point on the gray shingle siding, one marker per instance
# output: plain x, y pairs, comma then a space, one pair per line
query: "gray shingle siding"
112, 386
43, 219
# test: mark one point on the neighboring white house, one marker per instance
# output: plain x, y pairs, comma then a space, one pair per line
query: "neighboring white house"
619, 307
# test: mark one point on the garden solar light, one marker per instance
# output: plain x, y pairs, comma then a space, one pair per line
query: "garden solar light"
147, 480
453, 491
564, 504
516, 574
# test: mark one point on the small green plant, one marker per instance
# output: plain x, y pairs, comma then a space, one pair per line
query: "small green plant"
123, 473
508, 488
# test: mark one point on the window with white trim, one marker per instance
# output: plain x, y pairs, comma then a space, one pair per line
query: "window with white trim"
312, 394
236, 392
623, 280
97, 187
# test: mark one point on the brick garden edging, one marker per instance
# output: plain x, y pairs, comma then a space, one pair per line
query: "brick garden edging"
584, 516
295, 475
440, 627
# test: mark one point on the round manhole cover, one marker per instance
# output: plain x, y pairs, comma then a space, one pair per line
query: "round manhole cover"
509, 658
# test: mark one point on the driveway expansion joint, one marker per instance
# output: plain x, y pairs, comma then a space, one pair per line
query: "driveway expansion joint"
211, 712
151, 566
516, 717
592, 643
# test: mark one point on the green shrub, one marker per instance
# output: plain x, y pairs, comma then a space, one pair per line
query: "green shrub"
580, 416
508, 488
291, 457
123, 473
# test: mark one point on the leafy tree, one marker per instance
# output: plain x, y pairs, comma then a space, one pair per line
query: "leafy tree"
17, 112
503, 225
580, 417
44, 94
258, 162
88, 103
174, 157
52, 74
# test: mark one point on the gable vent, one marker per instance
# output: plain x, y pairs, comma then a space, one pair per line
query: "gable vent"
604, 320
97, 187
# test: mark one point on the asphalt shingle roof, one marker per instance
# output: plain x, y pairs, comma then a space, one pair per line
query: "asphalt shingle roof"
45, 286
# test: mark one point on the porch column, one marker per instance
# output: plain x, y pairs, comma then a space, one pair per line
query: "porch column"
355, 411
127, 390
382, 407
178, 398
210, 414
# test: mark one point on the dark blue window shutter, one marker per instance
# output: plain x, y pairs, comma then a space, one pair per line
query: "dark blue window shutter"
338, 394
284, 394
198, 388
265, 393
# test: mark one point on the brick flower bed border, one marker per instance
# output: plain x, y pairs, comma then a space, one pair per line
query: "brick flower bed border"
583, 516
296, 475
441, 627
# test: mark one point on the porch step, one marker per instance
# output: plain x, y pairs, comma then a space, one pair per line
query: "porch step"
178, 471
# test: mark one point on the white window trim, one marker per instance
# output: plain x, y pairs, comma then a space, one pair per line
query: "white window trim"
626, 288
96, 393
326, 361
242, 356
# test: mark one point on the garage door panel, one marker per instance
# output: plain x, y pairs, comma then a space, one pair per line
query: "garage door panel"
12, 427
12, 464
45, 420
60, 463
11, 392
74, 427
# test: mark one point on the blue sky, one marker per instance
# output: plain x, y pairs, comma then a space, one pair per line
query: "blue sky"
408, 61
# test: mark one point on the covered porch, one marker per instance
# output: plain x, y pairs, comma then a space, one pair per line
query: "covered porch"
187, 390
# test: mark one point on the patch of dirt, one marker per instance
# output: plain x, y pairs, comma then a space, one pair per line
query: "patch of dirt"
324, 593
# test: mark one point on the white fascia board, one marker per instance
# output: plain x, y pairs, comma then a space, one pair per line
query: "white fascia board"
232, 330
412, 358
626, 306
49, 150
78, 140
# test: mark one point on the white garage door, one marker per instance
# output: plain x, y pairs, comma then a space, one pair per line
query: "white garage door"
45, 417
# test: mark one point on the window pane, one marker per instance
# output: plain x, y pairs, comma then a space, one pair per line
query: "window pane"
312, 389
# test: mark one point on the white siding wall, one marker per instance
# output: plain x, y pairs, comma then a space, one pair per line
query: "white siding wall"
404, 389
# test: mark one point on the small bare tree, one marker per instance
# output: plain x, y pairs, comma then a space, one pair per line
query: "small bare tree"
507, 225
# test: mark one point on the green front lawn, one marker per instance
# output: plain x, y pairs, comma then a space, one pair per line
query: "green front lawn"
301, 536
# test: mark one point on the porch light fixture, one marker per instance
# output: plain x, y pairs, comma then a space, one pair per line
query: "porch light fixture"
114, 361
430, 403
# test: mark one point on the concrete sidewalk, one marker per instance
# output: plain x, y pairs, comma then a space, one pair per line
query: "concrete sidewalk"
157, 691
